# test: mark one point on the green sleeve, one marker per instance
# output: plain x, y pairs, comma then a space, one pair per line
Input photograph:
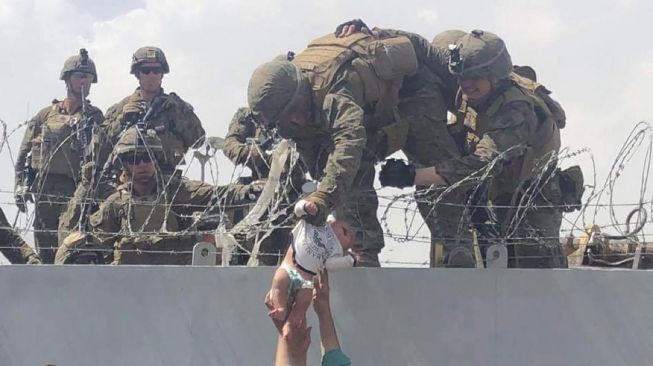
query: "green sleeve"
187, 125
235, 143
510, 128
427, 55
335, 357
105, 223
345, 121
33, 130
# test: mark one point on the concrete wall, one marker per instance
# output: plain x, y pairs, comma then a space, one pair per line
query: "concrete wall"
88, 315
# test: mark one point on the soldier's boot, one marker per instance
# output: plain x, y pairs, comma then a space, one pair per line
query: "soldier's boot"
460, 257
367, 258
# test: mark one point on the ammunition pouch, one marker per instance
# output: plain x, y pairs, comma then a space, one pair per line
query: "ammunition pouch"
571, 188
56, 150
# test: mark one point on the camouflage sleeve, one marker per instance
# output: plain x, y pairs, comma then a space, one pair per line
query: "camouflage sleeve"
235, 143
106, 134
190, 195
187, 125
345, 117
33, 129
105, 222
511, 128
427, 55
12, 245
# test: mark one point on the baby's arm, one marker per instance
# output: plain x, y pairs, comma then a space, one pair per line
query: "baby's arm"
338, 263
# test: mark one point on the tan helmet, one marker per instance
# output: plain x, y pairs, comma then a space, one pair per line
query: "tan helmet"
273, 88
479, 54
443, 39
134, 140
79, 63
149, 54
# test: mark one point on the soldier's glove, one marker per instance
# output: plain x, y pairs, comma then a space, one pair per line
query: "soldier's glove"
320, 200
259, 160
133, 111
352, 26
87, 172
22, 197
397, 173
34, 259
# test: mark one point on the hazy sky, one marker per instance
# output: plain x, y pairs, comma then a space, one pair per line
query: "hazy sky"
595, 56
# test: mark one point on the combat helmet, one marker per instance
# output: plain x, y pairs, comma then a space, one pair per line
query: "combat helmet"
79, 63
442, 40
480, 54
135, 140
149, 54
273, 89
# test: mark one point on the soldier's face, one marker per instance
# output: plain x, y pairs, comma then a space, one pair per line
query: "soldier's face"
140, 167
476, 89
150, 76
79, 80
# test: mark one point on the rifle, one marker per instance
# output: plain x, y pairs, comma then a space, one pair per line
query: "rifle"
85, 132
25, 185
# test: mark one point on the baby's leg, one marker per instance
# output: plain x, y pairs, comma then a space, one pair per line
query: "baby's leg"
298, 314
277, 299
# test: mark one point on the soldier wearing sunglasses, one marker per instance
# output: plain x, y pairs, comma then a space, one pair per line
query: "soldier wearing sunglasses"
172, 118
148, 220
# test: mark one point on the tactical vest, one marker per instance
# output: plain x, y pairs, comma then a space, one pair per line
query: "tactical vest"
543, 142
55, 149
380, 64
151, 232
164, 122
542, 94
145, 214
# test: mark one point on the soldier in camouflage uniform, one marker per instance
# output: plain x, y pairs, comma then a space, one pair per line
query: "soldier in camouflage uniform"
331, 100
12, 245
172, 118
148, 219
499, 115
246, 144
51, 149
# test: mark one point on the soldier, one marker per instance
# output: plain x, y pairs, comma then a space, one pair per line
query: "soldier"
329, 100
12, 245
421, 132
51, 150
246, 144
147, 221
498, 115
172, 118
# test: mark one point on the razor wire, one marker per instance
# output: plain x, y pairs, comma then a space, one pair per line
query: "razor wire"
600, 196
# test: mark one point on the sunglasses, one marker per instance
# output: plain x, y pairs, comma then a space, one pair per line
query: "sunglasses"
150, 69
131, 159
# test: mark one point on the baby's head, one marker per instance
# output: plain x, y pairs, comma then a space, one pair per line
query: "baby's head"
344, 233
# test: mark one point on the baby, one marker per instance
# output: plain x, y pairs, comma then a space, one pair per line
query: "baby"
313, 249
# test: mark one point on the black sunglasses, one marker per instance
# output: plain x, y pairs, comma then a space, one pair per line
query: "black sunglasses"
136, 159
148, 69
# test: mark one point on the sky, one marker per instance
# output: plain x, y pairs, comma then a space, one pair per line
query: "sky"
595, 57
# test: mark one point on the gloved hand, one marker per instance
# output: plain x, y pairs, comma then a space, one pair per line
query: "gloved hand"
397, 173
22, 197
87, 172
34, 259
133, 111
348, 28
319, 199
258, 160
